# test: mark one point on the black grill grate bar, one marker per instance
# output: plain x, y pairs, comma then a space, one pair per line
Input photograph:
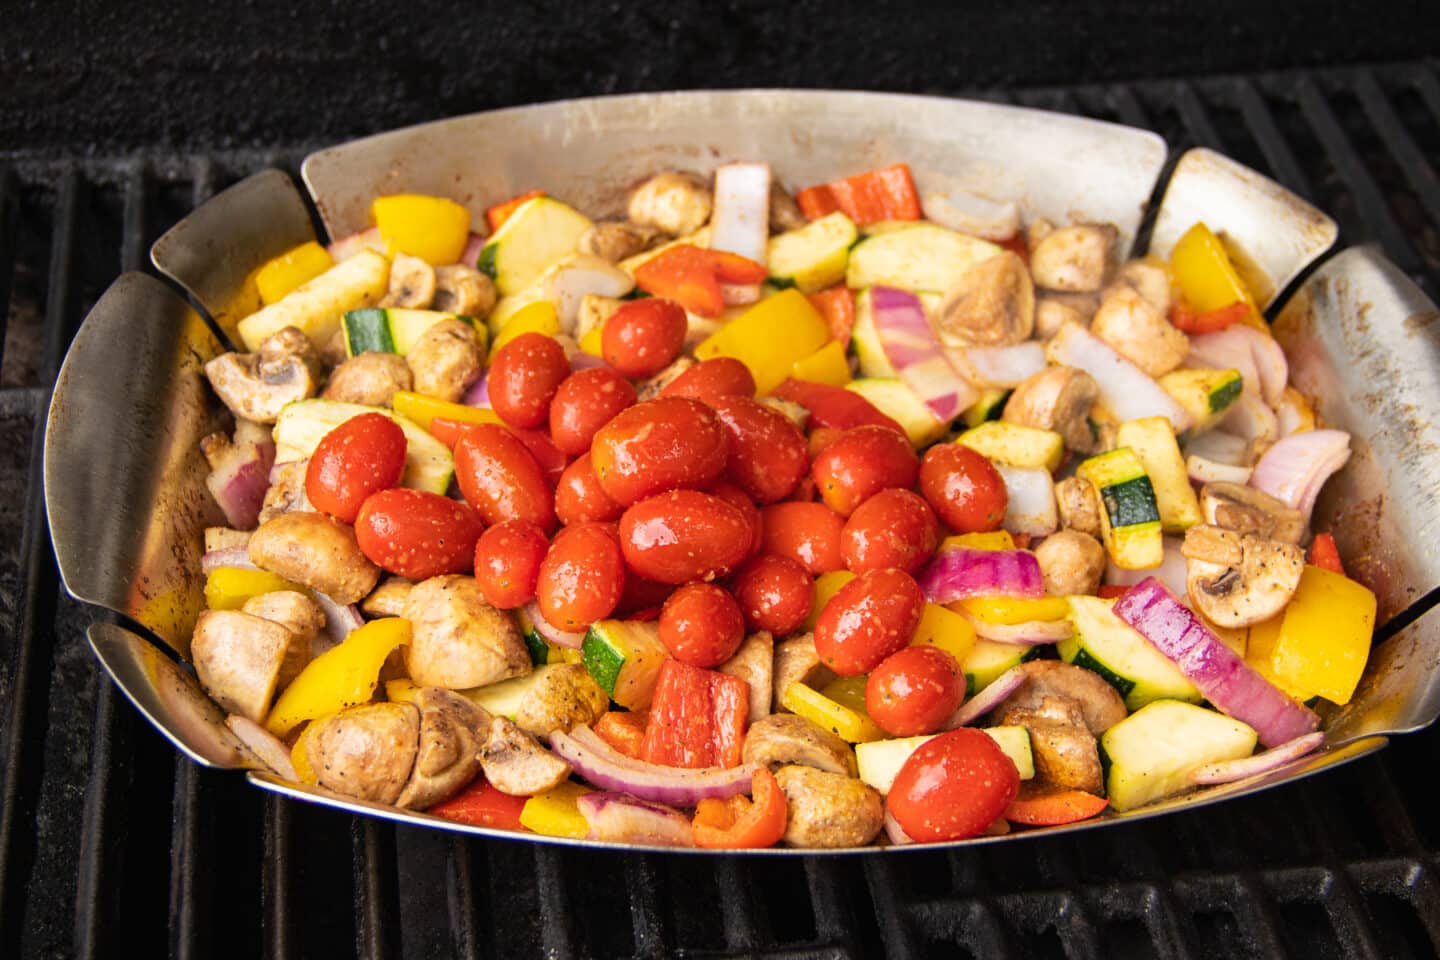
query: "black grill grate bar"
642, 884
1060, 913
1197, 118
1428, 86
737, 914
1275, 147
186, 854
974, 922
275, 888
1241, 896
1410, 881
374, 871
461, 900
96, 833
1412, 161
894, 929
1150, 903
9, 214
557, 928
828, 902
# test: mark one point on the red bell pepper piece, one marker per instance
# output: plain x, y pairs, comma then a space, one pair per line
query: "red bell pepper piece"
691, 276
498, 214
887, 193
1109, 591
481, 805
623, 731
740, 823
697, 718
837, 306
833, 406
1054, 807
1209, 321
1325, 555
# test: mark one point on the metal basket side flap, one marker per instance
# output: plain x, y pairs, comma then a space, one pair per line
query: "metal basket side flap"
1271, 234
214, 251
124, 474
169, 697
590, 152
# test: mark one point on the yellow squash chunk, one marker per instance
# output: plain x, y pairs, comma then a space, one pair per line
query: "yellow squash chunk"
769, 337
401, 690
315, 307
1260, 643
814, 256
1205, 275
845, 723
292, 268
341, 677
432, 228
1153, 441
826, 365
227, 588
556, 813
946, 630
300, 753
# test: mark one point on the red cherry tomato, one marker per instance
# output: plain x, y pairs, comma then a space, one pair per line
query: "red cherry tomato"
767, 453
775, 594
524, 376
732, 494
663, 444
709, 380
701, 625
835, 407
952, 787
581, 578
417, 534
579, 498
963, 487
363, 455
914, 691
507, 562
807, 532
500, 477
868, 619
552, 462
644, 336
894, 528
861, 463
642, 598
684, 535
584, 403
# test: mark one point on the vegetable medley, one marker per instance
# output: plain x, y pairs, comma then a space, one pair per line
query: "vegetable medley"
758, 519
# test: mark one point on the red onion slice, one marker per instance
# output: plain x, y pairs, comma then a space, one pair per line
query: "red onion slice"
1126, 389
914, 351
471, 252
238, 483
1259, 358
542, 626
264, 744
1203, 471
988, 699
1296, 467
580, 360
347, 247
1228, 771
478, 393
622, 818
232, 557
1220, 447
896, 833
677, 786
340, 619
961, 572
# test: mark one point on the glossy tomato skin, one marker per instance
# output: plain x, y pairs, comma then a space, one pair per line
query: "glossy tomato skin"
684, 535
914, 691
668, 443
807, 532
523, 378
417, 534
642, 596
507, 562
894, 528
775, 594
964, 488
362, 456
501, 479
581, 578
701, 625
551, 460
584, 403
579, 498
644, 336
862, 462
868, 619
736, 497
767, 453
709, 380
953, 787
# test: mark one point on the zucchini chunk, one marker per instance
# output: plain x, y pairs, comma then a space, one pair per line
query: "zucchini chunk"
920, 256
303, 424
396, 329
1206, 395
814, 256
1129, 515
624, 657
1150, 754
1112, 648
532, 238
1154, 443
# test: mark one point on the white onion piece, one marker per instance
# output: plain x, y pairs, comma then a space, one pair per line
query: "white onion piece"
1170, 572
580, 360
1217, 446
1228, 771
1035, 633
264, 744
972, 214
233, 557
567, 283
740, 222
1292, 416
1031, 507
1295, 468
1250, 419
1000, 366
914, 351
340, 618
621, 818
1124, 388
893, 831
560, 638
347, 247
988, 699
1203, 471
740, 294
606, 768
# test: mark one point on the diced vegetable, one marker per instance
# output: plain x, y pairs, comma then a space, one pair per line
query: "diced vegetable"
481, 805
697, 718
1228, 771
837, 306
740, 222
296, 266
847, 724
869, 351
999, 367
897, 401
887, 193
1154, 444
916, 257
1012, 610
341, 677
228, 588
556, 813
834, 407
738, 823
693, 277
988, 660
1016, 444
505, 698
1190, 321
303, 424
1152, 752
601, 765
944, 628
425, 411
625, 657
1323, 638
1325, 555
989, 540
1124, 388
914, 352
623, 730
434, 229
1131, 664
1206, 395
536, 235
1297, 466
769, 337
828, 365
496, 216
989, 407
880, 762
814, 256
826, 586
1129, 515
538, 316
620, 818
959, 572
1205, 276
315, 307
395, 330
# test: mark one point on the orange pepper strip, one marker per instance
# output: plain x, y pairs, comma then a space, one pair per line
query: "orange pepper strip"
623, 731
498, 214
887, 193
481, 805
837, 306
738, 823
1108, 591
1210, 321
691, 276
1054, 807
1325, 555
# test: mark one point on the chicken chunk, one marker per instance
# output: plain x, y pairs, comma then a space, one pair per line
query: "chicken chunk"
1079, 506
1058, 399
1071, 563
447, 757
784, 211
255, 386
367, 751
1150, 279
677, 203
464, 291
754, 663
650, 387
516, 764
238, 659
297, 613
1065, 751
412, 283
1074, 259
388, 599
286, 492
561, 699
316, 551
993, 306
459, 640
370, 378
783, 739
1139, 332
1236, 579
829, 810
446, 360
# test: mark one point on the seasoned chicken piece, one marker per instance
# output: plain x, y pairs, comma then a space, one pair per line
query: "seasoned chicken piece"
561, 699
1074, 259
1236, 579
754, 663
1051, 314
992, 306
1071, 563
286, 492
446, 360
463, 290
1139, 332
1066, 753
797, 662
1100, 705
452, 730
370, 378
238, 659
412, 283
784, 211
367, 751
1150, 279
1059, 399
388, 599
316, 551
458, 640
677, 203
829, 810
1244, 509
515, 763
619, 240
1079, 506
297, 613
1037, 230
255, 386
783, 738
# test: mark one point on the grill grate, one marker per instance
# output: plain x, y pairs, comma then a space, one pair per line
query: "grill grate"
111, 843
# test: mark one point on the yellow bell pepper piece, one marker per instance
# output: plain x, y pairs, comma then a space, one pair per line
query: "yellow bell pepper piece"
847, 724
1261, 640
826, 365
536, 317
555, 813
1012, 610
300, 753
849, 692
1206, 277
1325, 633
945, 629
295, 266
432, 228
401, 690
422, 409
826, 586
341, 677
227, 588
769, 337
592, 342
995, 540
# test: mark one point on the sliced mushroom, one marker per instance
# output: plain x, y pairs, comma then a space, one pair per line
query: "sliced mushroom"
1059, 399
316, 551
783, 738
370, 378
446, 360
993, 305
452, 730
286, 492
412, 283
797, 662
297, 613
459, 640
1236, 579
1100, 705
368, 751
1074, 259
515, 763
1071, 562
1065, 751
1244, 509
1139, 332
617, 240
677, 203
828, 810
238, 659
1150, 279
1079, 506
463, 290
281, 348
255, 386
754, 663
561, 699
388, 599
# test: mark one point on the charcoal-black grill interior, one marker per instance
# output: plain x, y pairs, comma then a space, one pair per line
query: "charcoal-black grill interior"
112, 844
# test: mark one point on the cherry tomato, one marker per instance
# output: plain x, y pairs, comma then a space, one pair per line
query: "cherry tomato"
709, 380
584, 403
361, 456
835, 407
810, 533
579, 498
551, 460
507, 562
417, 534
868, 619
684, 535
767, 453
914, 691
642, 596
894, 528
952, 787
500, 477
581, 578
822, 437
701, 625
963, 487
644, 336
663, 444
732, 494
775, 594
524, 376
861, 463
